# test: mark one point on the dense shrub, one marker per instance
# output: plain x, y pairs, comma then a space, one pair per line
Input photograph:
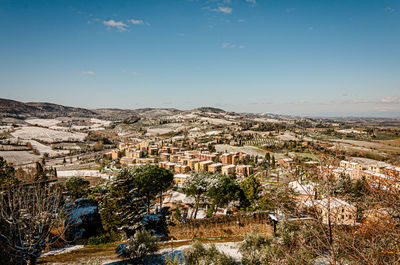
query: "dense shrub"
138, 247
197, 254
252, 248
98, 240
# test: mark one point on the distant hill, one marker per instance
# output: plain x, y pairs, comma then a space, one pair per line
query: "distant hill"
210, 109
16, 109
12, 108
157, 112
56, 110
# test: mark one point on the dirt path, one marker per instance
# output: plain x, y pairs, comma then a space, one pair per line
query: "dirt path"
107, 254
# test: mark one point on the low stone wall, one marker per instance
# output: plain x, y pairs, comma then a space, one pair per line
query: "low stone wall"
225, 226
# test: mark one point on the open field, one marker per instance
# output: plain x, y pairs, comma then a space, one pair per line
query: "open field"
379, 146
43, 122
46, 149
251, 150
287, 137
18, 157
216, 121
47, 135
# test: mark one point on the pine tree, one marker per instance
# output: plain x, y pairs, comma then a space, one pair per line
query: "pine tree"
7, 173
130, 205
150, 181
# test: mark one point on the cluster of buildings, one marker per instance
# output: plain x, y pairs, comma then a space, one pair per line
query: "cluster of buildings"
330, 210
334, 210
378, 173
204, 161
180, 160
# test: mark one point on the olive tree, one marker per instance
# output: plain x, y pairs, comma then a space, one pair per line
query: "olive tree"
31, 217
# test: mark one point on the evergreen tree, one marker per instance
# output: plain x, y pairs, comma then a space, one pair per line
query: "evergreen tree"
251, 188
268, 157
129, 203
77, 187
150, 181
196, 186
7, 173
273, 162
222, 190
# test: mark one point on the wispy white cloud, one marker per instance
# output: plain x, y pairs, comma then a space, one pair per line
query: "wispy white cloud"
134, 73
253, 2
225, 45
136, 21
390, 100
290, 10
121, 26
86, 73
224, 9
231, 45
389, 9
242, 20
139, 22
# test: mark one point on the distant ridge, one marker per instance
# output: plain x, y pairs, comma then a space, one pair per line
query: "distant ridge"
20, 110
16, 109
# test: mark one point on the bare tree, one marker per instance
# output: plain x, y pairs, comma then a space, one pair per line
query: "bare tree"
30, 218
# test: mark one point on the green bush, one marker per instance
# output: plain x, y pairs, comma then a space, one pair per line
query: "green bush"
197, 254
252, 249
140, 246
98, 240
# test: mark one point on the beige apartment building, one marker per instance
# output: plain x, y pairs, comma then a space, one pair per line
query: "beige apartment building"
338, 211
215, 168
228, 170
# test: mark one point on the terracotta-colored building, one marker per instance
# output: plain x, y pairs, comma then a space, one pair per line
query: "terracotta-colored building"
215, 168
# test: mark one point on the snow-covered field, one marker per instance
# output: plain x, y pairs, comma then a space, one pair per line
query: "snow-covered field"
213, 132
18, 157
157, 131
5, 129
349, 131
45, 148
287, 137
100, 122
48, 135
43, 122
216, 121
251, 150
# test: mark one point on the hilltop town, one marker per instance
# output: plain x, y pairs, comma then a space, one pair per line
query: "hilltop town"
241, 174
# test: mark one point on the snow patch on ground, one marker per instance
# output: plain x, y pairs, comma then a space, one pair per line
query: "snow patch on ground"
229, 248
62, 250
82, 173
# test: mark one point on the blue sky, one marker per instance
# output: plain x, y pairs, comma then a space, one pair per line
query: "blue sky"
332, 58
